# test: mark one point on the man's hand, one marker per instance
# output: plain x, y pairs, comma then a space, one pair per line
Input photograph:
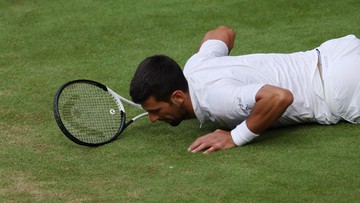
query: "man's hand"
217, 140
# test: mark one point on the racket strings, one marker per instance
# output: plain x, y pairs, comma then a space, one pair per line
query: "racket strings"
89, 113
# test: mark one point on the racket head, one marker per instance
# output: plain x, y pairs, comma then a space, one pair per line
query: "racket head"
88, 114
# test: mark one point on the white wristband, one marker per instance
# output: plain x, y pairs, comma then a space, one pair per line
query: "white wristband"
242, 135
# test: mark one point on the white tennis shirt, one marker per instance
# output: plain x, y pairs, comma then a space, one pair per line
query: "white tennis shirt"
223, 88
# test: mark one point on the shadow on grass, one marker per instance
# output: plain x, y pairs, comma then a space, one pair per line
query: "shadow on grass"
308, 133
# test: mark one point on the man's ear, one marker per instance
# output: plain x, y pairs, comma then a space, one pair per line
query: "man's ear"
177, 97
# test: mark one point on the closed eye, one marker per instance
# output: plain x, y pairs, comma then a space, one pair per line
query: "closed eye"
154, 111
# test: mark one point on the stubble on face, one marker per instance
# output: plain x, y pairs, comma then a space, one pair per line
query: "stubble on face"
179, 117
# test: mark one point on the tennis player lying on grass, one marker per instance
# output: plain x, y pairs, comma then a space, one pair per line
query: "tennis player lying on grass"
251, 93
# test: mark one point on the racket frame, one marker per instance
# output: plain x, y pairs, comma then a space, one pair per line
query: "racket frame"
118, 99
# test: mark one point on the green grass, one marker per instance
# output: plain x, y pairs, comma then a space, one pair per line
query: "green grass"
46, 43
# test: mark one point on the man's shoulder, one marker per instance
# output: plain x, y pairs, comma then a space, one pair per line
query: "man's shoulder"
193, 62
209, 50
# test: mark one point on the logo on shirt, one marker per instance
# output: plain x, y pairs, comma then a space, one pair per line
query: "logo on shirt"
244, 108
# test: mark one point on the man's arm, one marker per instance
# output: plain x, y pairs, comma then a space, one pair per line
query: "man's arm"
271, 103
223, 33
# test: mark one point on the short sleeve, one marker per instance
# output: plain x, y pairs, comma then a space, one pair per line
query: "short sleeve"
209, 49
245, 97
230, 104
214, 48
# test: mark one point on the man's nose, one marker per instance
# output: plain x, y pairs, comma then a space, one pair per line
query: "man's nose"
153, 117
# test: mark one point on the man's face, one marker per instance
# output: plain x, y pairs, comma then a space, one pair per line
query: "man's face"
172, 113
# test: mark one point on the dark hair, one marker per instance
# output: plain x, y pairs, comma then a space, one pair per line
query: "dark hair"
157, 76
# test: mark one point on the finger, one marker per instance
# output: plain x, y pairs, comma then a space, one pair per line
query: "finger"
210, 150
195, 144
199, 148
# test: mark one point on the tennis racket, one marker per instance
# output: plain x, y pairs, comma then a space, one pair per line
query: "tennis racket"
91, 114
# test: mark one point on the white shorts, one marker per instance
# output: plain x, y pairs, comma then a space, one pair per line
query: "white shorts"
340, 64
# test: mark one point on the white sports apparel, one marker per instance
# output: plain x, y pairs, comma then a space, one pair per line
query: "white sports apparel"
223, 88
340, 59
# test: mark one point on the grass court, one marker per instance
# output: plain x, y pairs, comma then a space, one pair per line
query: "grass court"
44, 44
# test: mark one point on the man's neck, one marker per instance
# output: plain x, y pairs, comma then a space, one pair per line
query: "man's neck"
190, 113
